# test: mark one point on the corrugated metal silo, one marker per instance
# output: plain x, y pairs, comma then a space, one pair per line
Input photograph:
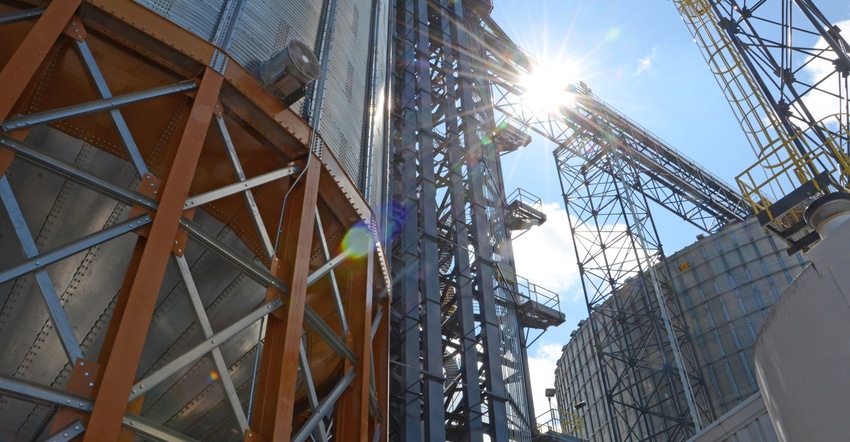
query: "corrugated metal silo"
726, 284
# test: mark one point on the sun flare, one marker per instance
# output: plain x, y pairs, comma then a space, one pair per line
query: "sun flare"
547, 88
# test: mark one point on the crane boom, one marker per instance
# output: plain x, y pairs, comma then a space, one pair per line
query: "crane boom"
777, 66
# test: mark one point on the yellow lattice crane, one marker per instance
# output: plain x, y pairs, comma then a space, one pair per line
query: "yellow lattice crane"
784, 70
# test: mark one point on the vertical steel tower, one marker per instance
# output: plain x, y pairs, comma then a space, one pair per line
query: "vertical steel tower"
459, 371
651, 385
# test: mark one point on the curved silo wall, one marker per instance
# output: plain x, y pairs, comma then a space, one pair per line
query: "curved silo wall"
727, 283
577, 380
353, 122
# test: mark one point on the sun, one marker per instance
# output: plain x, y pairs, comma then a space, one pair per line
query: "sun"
546, 89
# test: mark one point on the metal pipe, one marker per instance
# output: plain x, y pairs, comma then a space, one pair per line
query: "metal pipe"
78, 110
325, 407
88, 241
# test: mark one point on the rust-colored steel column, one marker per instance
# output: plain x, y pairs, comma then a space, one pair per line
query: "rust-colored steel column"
111, 399
353, 409
28, 57
30, 54
275, 398
381, 359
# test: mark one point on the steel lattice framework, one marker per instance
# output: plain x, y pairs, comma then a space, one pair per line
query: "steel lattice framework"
460, 368
135, 178
665, 176
784, 70
649, 372
610, 168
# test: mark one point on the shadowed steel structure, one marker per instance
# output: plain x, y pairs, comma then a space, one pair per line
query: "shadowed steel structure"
459, 369
180, 262
610, 168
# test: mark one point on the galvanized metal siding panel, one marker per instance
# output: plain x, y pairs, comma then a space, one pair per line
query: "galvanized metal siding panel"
377, 167
198, 16
344, 103
729, 282
265, 27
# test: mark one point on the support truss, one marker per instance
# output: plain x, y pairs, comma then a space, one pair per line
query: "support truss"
785, 70
460, 370
147, 282
664, 175
651, 379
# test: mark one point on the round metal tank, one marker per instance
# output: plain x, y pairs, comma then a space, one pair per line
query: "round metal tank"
726, 284
143, 176
802, 356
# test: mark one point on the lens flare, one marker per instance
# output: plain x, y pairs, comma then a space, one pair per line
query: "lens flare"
213, 376
358, 241
547, 89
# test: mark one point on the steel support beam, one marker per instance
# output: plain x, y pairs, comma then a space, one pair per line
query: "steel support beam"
68, 432
244, 185
18, 16
406, 256
307, 375
210, 344
117, 118
206, 327
29, 153
325, 407
105, 104
352, 417
48, 292
129, 340
272, 416
43, 260
31, 53
50, 396
250, 202
472, 395
326, 255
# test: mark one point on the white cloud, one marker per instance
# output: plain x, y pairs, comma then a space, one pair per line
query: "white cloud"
541, 367
545, 254
821, 104
645, 63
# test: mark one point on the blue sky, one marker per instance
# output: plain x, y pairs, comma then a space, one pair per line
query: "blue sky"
639, 58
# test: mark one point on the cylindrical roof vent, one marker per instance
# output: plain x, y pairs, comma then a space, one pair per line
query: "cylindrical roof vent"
288, 72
